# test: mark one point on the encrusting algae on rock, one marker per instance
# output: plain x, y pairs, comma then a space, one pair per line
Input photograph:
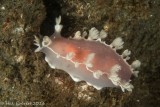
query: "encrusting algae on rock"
91, 59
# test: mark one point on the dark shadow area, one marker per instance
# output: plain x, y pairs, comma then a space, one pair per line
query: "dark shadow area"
53, 10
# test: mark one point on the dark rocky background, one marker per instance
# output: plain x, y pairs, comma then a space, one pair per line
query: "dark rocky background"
26, 78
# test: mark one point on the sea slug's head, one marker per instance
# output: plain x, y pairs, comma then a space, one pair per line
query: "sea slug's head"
45, 43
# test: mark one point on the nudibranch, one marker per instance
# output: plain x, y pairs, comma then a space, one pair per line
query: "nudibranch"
85, 57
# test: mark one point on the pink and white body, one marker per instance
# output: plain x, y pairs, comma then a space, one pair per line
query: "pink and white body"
90, 59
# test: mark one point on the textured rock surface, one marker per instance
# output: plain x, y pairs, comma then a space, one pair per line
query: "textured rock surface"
26, 77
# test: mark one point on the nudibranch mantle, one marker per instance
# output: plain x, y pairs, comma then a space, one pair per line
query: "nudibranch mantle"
90, 59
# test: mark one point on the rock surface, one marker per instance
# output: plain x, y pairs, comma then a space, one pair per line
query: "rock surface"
25, 77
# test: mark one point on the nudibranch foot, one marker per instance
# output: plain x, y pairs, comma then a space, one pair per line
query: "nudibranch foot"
90, 60
75, 79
